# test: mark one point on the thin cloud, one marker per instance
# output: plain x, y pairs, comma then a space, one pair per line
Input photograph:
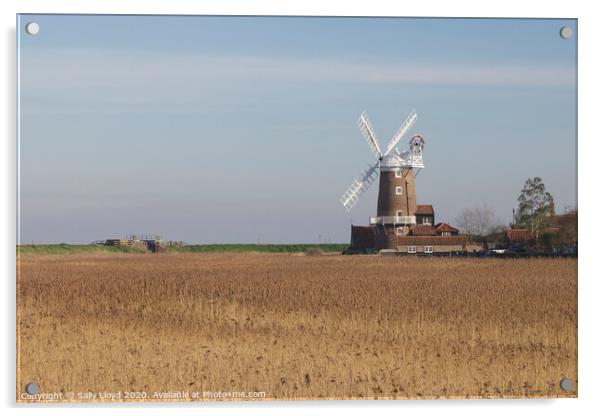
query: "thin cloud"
65, 69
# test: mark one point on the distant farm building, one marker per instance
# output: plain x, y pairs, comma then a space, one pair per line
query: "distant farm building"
518, 237
138, 243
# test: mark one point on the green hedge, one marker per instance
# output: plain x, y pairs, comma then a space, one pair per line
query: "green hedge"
262, 248
199, 248
65, 248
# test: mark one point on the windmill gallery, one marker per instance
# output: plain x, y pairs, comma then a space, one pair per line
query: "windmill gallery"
400, 223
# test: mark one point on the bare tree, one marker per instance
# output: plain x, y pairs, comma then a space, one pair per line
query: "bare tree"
477, 221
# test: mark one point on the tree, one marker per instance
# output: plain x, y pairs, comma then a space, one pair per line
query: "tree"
568, 229
535, 207
477, 221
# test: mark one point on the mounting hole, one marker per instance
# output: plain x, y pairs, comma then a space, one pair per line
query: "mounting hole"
32, 28
32, 388
566, 384
566, 32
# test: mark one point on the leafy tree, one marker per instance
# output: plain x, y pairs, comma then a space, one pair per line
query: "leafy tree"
548, 240
535, 207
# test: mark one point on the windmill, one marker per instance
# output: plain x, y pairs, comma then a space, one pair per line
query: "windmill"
396, 195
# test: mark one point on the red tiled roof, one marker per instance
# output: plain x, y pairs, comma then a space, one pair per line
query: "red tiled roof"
443, 227
425, 210
423, 229
518, 234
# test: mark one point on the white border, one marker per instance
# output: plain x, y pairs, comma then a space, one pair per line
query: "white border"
589, 172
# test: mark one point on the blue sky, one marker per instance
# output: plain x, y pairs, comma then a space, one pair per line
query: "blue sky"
243, 129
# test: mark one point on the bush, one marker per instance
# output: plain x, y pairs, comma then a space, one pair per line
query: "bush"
313, 251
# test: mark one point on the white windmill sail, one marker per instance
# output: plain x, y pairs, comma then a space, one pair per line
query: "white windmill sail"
368, 132
402, 130
359, 186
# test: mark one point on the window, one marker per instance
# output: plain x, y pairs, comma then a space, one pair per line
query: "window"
426, 220
399, 190
428, 249
411, 249
398, 213
446, 233
398, 173
399, 231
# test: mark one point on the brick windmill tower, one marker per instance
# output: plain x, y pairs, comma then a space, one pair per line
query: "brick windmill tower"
396, 209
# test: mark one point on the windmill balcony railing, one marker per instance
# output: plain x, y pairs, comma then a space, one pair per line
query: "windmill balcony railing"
394, 219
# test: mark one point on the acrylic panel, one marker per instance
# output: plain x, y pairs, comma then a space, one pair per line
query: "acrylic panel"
206, 211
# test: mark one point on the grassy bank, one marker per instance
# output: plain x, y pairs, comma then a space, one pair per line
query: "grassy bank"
64, 248
200, 248
262, 248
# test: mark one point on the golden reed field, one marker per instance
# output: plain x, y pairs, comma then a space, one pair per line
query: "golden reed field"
104, 326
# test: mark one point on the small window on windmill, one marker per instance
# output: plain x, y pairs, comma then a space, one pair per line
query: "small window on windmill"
399, 231
398, 213
399, 190
398, 173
